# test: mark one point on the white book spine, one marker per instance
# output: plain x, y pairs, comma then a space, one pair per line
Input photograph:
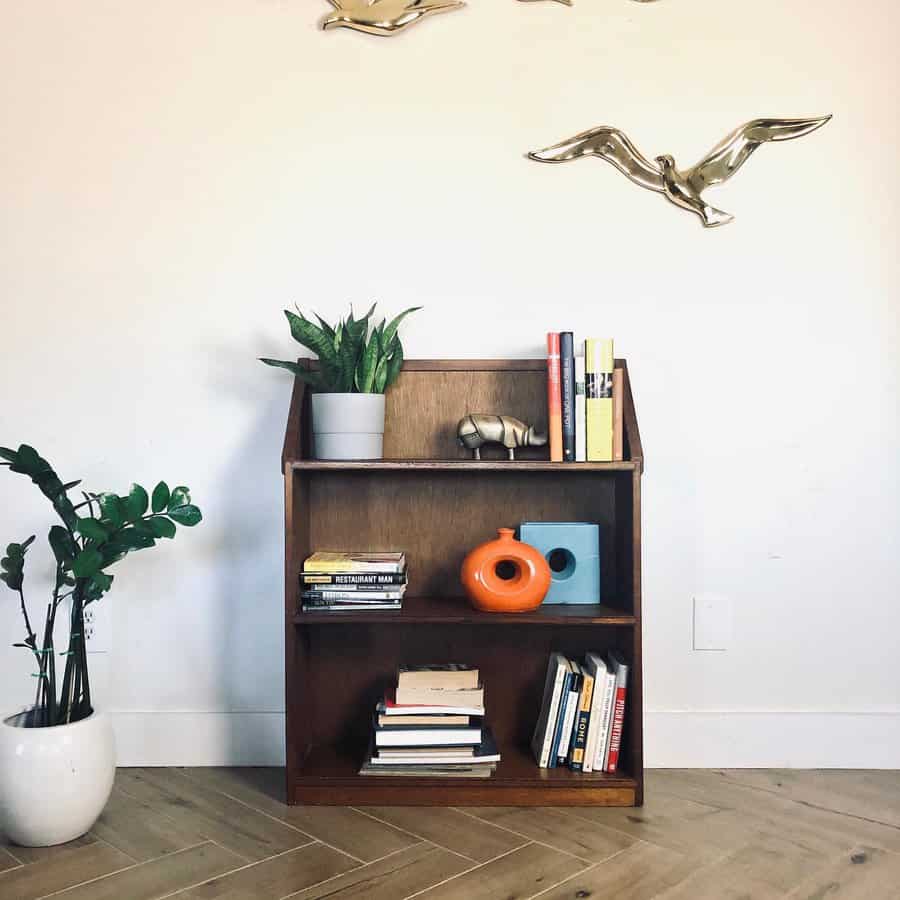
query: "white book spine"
568, 722
580, 421
551, 718
609, 692
598, 670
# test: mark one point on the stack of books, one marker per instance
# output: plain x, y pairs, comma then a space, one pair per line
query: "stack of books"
353, 581
584, 399
433, 725
582, 714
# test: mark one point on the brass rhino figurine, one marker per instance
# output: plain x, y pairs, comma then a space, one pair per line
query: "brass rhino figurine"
478, 429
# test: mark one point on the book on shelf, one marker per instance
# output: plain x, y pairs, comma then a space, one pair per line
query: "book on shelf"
449, 740
327, 562
567, 393
451, 676
452, 697
542, 740
359, 597
354, 581
618, 718
554, 398
598, 365
582, 713
390, 707
580, 441
315, 606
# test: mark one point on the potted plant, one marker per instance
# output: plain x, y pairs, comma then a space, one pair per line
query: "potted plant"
57, 757
357, 364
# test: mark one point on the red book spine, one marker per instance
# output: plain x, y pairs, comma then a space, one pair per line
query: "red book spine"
554, 398
615, 740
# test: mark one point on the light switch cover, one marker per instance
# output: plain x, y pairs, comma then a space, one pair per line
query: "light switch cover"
712, 622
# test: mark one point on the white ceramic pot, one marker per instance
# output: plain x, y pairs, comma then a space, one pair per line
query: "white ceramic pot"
54, 782
348, 426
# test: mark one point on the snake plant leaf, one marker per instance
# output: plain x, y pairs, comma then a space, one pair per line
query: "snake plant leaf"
391, 329
180, 496
311, 378
87, 563
112, 510
91, 529
186, 515
367, 367
329, 331
380, 375
136, 503
395, 363
162, 527
160, 498
311, 336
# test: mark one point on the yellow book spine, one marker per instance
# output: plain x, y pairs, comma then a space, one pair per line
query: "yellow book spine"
598, 404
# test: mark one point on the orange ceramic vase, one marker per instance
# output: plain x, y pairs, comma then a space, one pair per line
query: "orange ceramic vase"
505, 575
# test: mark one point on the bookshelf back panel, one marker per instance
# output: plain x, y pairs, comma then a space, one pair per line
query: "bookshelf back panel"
423, 409
438, 520
350, 667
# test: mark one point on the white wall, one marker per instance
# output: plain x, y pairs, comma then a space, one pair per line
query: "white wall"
173, 174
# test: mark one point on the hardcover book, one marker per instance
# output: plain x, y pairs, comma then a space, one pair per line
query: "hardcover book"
390, 707
451, 676
554, 398
618, 414
598, 403
456, 697
567, 393
356, 581
618, 718
359, 597
582, 719
330, 562
542, 739
580, 424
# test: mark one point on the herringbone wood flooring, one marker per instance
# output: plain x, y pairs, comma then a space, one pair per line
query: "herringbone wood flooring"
212, 834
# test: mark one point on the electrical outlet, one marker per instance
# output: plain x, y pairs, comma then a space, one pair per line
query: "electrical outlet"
712, 622
96, 627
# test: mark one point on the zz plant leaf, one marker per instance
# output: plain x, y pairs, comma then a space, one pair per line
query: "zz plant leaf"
354, 357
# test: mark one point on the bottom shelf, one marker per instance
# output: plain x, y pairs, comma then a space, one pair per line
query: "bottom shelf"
329, 777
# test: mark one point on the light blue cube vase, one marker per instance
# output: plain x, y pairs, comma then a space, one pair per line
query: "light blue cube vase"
573, 551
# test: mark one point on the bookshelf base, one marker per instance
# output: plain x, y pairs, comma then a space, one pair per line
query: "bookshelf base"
328, 777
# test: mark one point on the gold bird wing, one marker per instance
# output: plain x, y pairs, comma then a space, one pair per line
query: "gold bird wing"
736, 148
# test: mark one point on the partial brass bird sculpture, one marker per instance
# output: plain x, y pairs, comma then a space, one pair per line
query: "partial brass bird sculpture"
384, 17
683, 188
564, 2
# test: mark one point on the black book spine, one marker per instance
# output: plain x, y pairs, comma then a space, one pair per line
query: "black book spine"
366, 580
567, 377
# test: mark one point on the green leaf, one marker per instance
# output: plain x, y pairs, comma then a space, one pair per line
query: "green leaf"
102, 582
161, 496
87, 563
367, 366
380, 376
311, 336
62, 545
180, 496
391, 329
9, 455
91, 529
162, 527
136, 503
311, 378
131, 539
186, 515
112, 510
395, 364
329, 331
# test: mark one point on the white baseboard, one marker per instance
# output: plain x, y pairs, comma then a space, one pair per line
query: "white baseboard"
763, 740
672, 739
199, 738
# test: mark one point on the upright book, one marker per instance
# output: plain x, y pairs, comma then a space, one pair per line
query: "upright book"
542, 739
580, 441
598, 365
618, 717
582, 721
618, 413
554, 398
567, 393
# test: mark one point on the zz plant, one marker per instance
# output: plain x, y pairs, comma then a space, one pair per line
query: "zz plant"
352, 357
95, 534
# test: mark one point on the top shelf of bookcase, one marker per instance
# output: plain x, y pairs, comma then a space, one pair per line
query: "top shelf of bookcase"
431, 396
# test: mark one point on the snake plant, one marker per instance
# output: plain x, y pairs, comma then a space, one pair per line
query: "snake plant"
353, 358
95, 534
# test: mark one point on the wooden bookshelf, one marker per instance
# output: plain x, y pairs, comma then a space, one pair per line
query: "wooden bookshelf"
428, 499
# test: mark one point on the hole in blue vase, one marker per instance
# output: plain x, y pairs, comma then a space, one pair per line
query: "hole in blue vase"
562, 563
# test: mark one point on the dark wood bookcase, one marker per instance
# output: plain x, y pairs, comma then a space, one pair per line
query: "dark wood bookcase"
428, 499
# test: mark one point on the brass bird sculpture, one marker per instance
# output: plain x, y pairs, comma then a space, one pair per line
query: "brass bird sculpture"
384, 17
684, 188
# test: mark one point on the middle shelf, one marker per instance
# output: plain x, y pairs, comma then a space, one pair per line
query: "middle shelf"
456, 611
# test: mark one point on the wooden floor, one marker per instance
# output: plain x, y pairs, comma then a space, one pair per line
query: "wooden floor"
703, 835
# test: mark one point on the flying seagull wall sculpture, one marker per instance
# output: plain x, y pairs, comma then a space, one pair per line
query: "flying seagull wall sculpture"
384, 17
683, 187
